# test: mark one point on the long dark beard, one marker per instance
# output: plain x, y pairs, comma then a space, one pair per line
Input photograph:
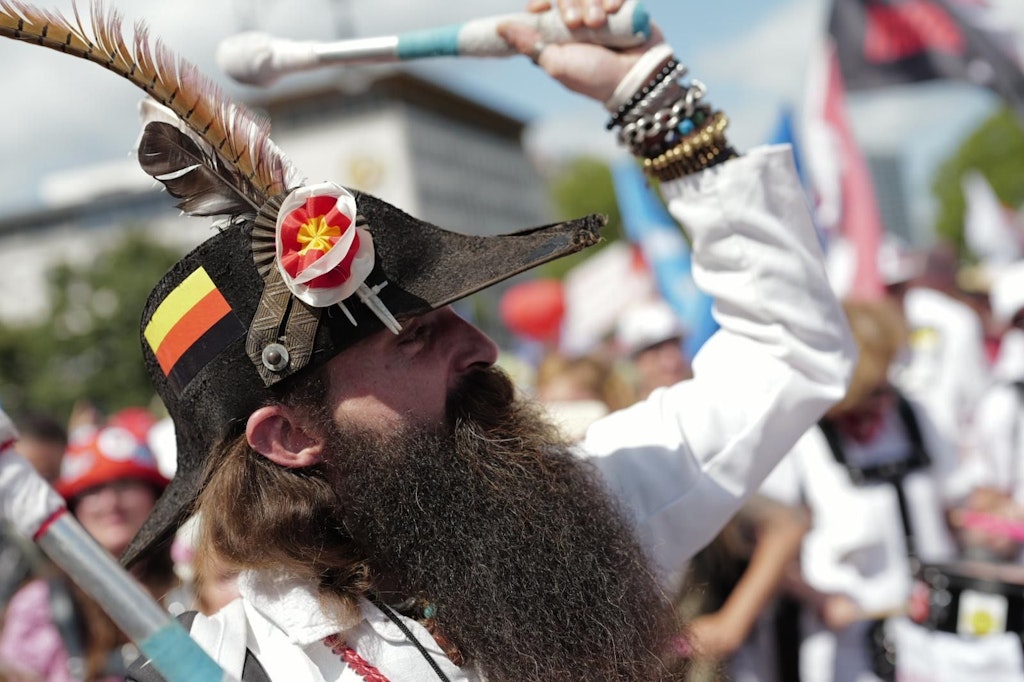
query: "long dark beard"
532, 569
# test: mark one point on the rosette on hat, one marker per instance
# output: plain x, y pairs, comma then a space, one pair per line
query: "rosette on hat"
320, 252
323, 256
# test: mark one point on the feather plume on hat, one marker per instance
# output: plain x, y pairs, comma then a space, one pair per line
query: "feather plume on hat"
214, 155
298, 273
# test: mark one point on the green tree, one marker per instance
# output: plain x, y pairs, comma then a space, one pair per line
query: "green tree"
996, 149
88, 347
585, 186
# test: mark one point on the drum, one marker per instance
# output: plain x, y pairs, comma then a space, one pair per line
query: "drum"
971, 598
964, 624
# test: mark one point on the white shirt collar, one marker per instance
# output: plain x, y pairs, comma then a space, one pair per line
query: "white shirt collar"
294, 606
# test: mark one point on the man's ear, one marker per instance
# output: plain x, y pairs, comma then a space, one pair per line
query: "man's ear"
273, 432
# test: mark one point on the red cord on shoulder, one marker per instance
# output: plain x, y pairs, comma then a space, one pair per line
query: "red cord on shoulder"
358, 664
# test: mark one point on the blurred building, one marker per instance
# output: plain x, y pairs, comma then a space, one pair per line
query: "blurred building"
891, 192
434, 153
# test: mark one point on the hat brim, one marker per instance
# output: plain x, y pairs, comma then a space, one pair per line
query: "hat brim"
425, 268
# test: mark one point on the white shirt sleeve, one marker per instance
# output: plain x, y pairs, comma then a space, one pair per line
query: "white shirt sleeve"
686, 459
996, 429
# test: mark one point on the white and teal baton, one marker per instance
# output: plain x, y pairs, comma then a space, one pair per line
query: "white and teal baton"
259, 59
38, 512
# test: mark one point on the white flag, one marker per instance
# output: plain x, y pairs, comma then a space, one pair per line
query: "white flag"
990, 229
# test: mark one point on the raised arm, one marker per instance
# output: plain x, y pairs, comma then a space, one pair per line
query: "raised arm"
687, 458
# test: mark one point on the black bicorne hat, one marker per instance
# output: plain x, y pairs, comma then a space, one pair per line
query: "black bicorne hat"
297, 273
213, 387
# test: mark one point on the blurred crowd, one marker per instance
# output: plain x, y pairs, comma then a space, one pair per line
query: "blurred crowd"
110, 470
894, 530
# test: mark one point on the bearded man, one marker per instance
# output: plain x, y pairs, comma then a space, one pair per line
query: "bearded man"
395, 511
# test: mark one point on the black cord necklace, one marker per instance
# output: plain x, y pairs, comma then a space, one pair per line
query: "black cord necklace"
396, 619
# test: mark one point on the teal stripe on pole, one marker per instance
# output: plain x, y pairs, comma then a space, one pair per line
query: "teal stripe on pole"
641, 21
435, 42
177, 657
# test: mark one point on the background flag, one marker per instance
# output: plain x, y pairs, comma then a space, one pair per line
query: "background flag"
785, 133
990, 228
846, 207
889, 42
649, 225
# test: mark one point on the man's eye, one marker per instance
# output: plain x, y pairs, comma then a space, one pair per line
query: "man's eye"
412, 334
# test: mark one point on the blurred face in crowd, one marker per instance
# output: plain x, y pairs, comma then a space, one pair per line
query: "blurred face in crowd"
863, 421
217, 586
566, 388
44, 455
881, 335
113, 512
662, 364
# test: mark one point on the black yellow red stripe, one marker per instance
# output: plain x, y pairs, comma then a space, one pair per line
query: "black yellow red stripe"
190, 327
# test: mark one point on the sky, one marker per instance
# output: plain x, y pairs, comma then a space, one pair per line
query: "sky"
62, 113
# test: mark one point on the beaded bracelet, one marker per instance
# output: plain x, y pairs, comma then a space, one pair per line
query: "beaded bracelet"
667, 90
663, 75
701, 149
667, 124
679, 110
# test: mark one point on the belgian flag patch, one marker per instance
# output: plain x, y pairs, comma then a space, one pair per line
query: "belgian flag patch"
190, 327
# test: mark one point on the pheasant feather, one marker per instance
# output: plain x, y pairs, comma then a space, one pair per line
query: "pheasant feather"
227, 166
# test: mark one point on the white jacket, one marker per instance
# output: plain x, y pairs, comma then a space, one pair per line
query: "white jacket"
946, 370
683, 461
998, 429
856, 545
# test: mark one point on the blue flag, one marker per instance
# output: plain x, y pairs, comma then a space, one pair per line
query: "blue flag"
666, 251
785, 132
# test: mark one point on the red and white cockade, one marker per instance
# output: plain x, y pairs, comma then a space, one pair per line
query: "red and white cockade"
322, 255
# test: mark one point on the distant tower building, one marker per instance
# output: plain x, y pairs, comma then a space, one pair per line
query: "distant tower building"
414, 143
890, 190
435, 154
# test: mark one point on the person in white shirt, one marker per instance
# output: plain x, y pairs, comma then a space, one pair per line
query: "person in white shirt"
996, 467
873, 474
395, 512
651, 335
945, 368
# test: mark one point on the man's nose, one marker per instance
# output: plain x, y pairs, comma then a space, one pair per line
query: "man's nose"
470, 347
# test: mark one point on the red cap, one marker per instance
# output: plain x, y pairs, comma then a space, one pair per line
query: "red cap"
102, 455
138, 420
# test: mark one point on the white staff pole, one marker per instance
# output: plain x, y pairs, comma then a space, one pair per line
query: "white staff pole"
257, 58
38, 512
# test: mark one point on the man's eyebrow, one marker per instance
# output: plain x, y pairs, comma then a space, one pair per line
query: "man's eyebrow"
409, 319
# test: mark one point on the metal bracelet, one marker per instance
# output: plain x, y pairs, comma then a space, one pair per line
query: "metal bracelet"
701, 149
671, 71
649, 100
663, 120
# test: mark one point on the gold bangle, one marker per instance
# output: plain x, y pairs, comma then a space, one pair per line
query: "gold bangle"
700, 149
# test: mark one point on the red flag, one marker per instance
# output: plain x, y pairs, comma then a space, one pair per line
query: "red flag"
847, 204
889, 42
